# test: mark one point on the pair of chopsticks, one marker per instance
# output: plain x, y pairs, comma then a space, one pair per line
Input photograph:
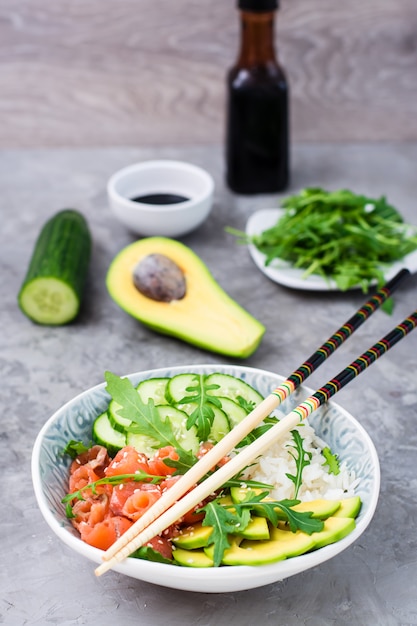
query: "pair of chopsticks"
173, 503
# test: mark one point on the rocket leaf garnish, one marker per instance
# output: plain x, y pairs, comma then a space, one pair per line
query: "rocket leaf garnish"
203, 414
301, 458
230, 519
144, 417
331, 461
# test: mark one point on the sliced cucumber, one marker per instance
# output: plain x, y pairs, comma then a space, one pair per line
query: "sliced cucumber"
187, 438
52, 288
181, 386
117, 421
235, 413
105, 435
154, 388
233, 388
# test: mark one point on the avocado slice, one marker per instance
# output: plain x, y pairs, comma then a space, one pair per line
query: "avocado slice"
197, 536
205, 316
334, 529
349, 507
281, 545
192, 558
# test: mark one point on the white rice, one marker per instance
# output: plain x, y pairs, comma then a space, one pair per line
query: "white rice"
317, 482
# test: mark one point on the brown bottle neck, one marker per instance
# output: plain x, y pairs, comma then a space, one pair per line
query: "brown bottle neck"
257, 39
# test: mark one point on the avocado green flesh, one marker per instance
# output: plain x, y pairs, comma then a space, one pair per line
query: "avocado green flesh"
251, 548
349, 507
206, 316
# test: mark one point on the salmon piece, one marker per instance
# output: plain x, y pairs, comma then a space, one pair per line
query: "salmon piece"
161, 545
81, 477
105, 533
127, 461
123, 491
96, 457
157, 467
91, 511
139, 502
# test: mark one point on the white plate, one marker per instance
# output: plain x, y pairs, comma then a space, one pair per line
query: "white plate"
282, 273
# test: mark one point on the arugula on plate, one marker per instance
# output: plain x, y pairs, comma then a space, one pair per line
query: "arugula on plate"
339, 235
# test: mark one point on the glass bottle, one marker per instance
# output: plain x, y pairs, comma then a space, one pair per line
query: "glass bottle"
257, 124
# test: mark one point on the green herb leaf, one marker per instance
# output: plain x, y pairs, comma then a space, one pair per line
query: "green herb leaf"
232, 519
331, 461
224, 522
184, 462
203, 414
75, 448
149, 554
257, 432
301, 458
338, 235
144, 416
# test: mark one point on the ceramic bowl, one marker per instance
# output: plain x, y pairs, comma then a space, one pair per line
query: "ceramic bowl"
345, 436
163, 178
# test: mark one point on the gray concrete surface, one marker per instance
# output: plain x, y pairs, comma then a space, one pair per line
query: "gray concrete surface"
41, 580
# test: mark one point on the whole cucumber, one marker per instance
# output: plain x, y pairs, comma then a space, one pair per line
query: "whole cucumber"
52, 289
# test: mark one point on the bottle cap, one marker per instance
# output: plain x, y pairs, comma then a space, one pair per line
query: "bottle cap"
258, 6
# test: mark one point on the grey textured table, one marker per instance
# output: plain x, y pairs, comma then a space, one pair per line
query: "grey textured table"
41, 580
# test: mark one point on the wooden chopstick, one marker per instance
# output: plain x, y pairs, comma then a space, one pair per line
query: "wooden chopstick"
255, 449
222, 448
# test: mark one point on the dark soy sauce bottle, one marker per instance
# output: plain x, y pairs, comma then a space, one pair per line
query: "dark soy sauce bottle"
257, 125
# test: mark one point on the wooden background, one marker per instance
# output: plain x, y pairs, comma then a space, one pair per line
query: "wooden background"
150, 72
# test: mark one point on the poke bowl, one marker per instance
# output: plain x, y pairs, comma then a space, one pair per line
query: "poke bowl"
334, 428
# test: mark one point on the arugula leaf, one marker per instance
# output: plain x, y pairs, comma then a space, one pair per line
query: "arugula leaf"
145, 417
245, 404
257, 432
300, 520
301, 458
74, 448
231, 519
203, 415
149, 554
348, 237
184, 462
224, 522
331, 461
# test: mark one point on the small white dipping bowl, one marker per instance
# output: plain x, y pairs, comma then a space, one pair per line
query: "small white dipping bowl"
161, 177
345, 436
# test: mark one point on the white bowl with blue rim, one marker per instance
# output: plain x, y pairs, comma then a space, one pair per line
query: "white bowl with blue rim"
340, 430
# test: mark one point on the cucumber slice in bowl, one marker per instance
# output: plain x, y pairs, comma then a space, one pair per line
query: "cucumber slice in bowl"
52, 289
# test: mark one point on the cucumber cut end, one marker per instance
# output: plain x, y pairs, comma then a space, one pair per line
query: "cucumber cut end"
49, 301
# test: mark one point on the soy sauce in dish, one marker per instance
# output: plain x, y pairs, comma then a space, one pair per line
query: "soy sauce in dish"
161, 198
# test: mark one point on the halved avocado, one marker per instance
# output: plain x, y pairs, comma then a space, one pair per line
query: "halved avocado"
205, 316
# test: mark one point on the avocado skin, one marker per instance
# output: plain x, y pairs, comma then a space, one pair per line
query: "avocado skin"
206, 316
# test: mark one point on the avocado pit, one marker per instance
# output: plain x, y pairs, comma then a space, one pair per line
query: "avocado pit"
157, 277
